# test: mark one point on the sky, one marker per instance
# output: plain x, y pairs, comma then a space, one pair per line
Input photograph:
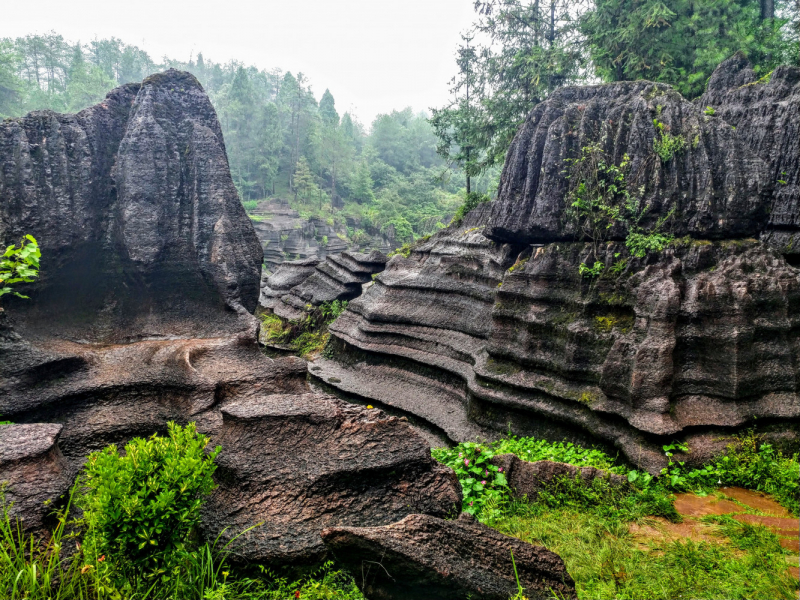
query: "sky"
374, 55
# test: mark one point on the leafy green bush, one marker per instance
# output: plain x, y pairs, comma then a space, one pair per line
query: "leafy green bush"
19, 265
143, 507
250, 205
472, 201
665, 144
307, 335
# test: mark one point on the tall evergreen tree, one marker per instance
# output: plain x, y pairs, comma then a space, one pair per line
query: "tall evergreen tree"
681, 42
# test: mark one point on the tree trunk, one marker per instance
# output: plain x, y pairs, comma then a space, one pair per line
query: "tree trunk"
767, 9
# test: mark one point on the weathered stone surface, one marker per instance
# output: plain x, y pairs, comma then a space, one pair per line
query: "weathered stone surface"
338, 277
141, 228
286, 236
285, 277
426, 557
489, 326
301, 463
527, 479
717, 185
33, 473
766, 114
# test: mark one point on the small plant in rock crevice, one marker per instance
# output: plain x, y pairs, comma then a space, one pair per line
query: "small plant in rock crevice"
306, 336
666, 145
19, 264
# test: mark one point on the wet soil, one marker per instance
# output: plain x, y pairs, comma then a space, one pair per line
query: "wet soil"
743, 505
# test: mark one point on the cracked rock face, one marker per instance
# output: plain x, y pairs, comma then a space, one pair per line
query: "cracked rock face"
426, 557
488, 326
300, 463
766, 114
141, 229
33, 473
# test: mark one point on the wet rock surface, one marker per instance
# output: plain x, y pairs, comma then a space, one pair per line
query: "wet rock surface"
33, 473
141, 228
301, 463
766, 114
297, 285
427, 557
489, 327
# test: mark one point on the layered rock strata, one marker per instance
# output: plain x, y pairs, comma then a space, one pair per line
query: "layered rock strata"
300, 463
426, 557
296, 285
490, 326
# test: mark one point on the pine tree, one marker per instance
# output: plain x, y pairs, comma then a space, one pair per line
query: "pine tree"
361, 187
327, 110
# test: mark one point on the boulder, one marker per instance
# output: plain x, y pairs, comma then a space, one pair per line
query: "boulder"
33, 473
292, 465
427, 557
527, 479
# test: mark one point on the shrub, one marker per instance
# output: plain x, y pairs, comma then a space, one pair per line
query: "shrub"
142, 508
19, 265
472, 201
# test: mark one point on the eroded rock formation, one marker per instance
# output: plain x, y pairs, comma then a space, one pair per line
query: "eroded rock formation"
298, 285
301, 463
489, 326
426, 557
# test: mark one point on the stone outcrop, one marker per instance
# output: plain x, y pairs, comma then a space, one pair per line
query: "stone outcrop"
33, 473
715, 184
301, 463
766, 114
426, 557
489, 326
527, 479
140, 225
298, 285
286, 236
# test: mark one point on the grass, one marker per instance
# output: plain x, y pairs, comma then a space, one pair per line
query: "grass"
590, 524
307, 336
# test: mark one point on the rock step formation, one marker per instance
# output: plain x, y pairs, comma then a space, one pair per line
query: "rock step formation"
286, 236
427, 557
301, 463
338, 277
33, 473
697, 342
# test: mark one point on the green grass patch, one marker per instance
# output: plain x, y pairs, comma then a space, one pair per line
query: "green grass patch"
306, 336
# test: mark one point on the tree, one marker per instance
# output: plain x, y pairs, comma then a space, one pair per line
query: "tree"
327, 110
304, 180
457, 125
88, 84
10, 83
533, 48
361, 186
682, 42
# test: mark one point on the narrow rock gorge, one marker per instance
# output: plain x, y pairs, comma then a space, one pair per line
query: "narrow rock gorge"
489, 326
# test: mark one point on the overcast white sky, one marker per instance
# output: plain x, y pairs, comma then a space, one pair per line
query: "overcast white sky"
374, 55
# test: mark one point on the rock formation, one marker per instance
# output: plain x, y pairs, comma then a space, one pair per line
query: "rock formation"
301, 463
33, 473
426, 557
766, 115
489, 325
297, 285
286, 236
140, 225
150, 270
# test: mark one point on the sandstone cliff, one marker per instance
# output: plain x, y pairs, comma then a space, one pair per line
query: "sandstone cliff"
489, 326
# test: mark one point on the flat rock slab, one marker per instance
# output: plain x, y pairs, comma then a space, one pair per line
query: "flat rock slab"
32, 471
292, 465
428, 557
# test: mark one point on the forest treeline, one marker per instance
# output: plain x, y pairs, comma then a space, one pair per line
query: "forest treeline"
409, 171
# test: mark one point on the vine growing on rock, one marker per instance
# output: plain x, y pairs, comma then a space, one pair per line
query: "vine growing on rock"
600, 198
